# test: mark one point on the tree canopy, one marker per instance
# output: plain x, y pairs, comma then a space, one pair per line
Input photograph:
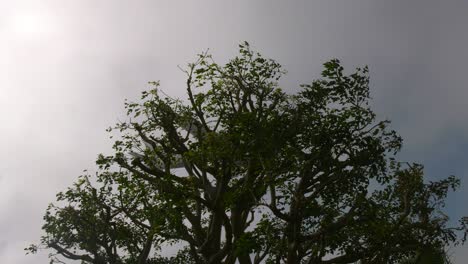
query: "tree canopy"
242, 172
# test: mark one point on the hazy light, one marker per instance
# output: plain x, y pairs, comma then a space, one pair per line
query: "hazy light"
31, 25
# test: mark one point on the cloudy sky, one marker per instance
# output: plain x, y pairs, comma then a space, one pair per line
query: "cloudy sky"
67, 66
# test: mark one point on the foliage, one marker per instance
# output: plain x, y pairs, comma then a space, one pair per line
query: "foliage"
263, 177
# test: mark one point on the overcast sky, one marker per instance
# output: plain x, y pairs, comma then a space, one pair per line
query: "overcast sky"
67, 66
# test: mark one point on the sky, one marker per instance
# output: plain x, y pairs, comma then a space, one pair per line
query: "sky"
67, 66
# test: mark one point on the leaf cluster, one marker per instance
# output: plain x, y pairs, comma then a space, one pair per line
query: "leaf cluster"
241, 172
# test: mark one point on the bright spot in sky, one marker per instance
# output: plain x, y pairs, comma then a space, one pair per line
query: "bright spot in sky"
31, 25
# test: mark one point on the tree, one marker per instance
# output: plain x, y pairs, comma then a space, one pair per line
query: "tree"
242, 172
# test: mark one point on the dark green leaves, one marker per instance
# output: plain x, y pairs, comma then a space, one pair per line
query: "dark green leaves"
241, 172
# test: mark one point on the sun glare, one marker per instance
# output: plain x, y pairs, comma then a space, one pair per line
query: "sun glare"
31, 26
